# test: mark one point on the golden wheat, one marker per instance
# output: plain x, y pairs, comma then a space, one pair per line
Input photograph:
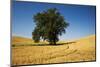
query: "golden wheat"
78, 50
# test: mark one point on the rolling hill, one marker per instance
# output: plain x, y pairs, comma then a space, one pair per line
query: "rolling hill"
79, 50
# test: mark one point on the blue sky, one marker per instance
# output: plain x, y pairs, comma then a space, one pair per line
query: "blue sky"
81, 18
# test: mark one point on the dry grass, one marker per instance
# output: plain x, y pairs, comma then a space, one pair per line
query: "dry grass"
78, 50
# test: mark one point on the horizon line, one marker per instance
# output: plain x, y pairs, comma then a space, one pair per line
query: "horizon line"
59, 38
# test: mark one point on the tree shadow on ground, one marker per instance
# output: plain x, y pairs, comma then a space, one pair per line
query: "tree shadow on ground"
41, 44
53, 44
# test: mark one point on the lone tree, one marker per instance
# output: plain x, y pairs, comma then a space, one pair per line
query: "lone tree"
49, 25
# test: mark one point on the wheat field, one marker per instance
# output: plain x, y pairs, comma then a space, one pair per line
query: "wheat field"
75, 51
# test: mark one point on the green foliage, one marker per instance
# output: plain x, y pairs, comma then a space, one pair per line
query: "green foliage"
49, 25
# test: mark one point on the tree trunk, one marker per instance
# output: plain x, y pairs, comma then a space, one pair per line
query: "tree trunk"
54, 42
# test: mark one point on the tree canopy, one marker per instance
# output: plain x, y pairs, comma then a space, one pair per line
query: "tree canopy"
49, 25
